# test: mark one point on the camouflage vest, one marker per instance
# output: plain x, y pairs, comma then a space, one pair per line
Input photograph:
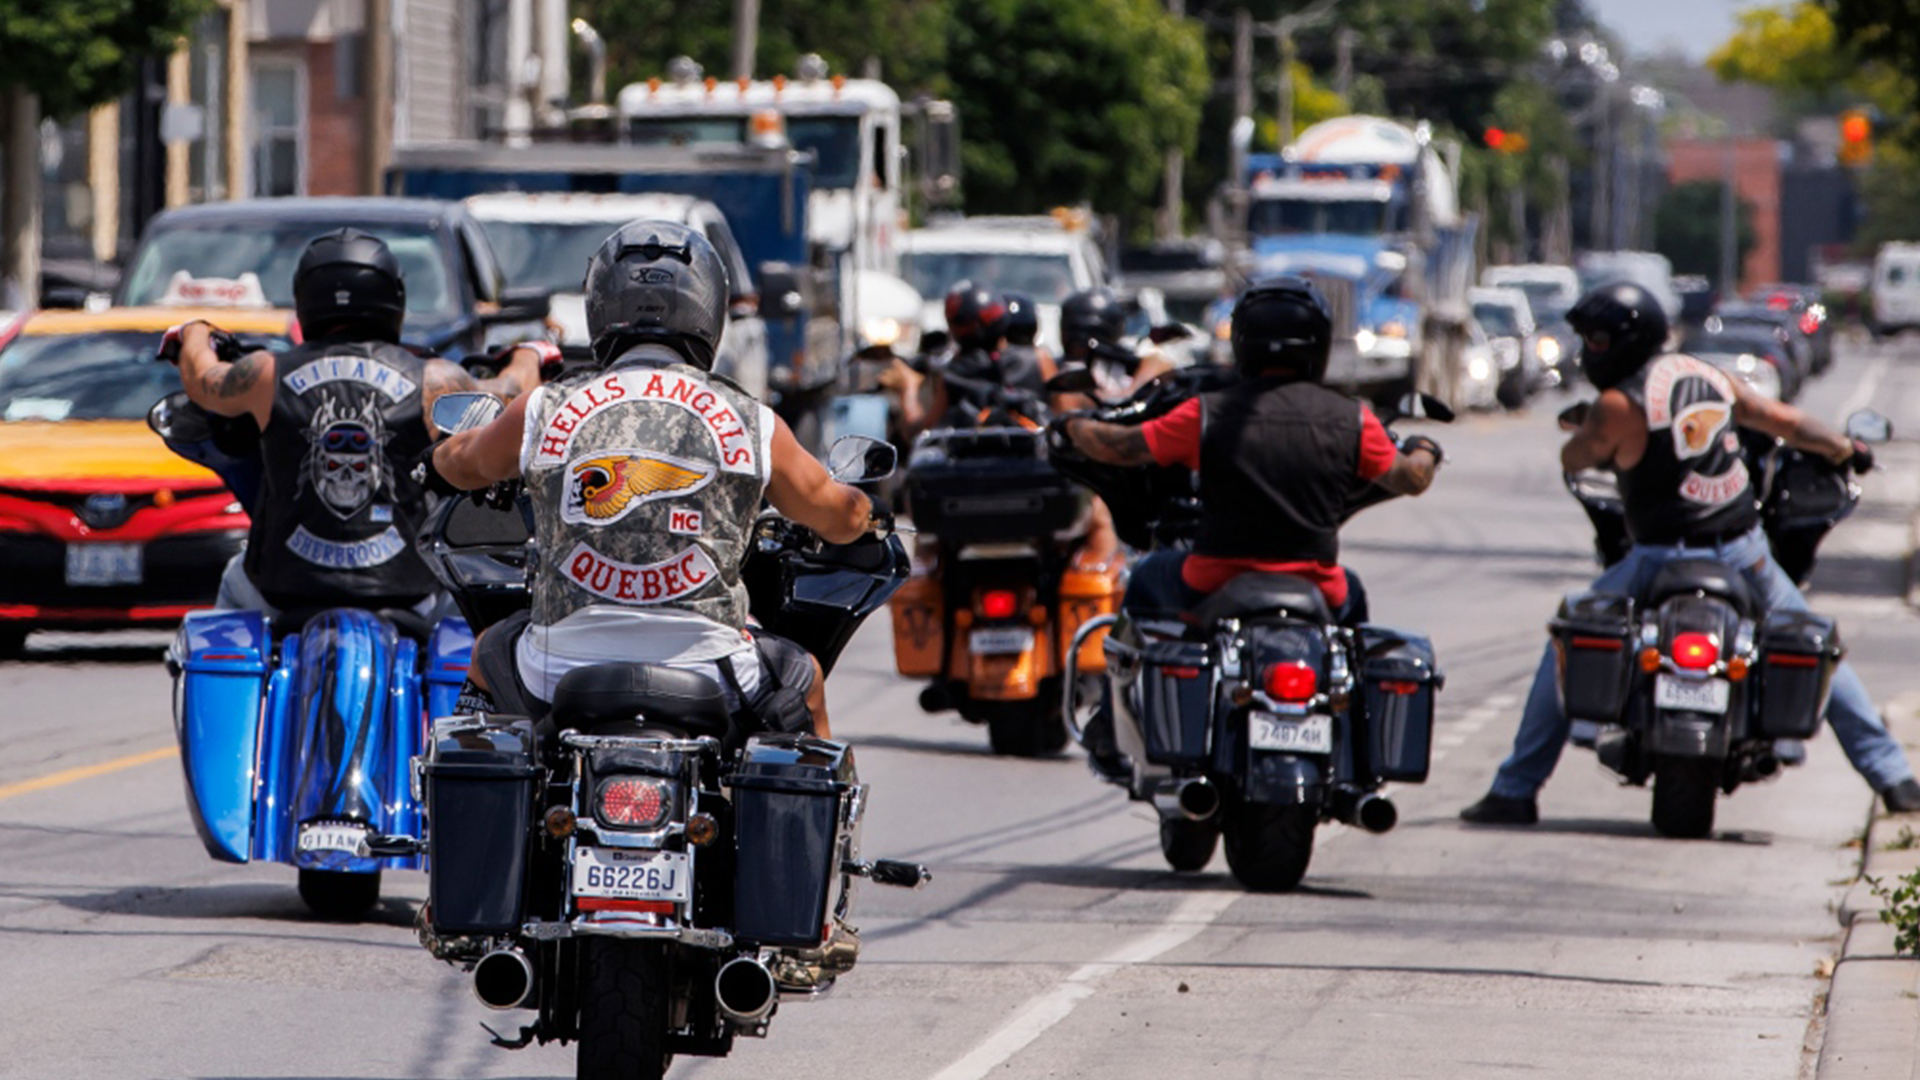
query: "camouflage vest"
645, 480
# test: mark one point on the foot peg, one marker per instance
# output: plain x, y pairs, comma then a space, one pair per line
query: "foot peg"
904, 875
383, 846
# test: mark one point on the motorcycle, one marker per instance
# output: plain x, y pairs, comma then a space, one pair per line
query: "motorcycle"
1692, 684
989, 631
633, 867
1255, 717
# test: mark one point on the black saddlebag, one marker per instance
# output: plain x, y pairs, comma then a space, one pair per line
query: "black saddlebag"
1594, 635
1398, 681
1176, 700
479, 782
1798, 654
790, 798
988, 486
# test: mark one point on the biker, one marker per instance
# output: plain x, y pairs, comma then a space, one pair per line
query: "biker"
340, 419
1688, 496
1092, 322
646, 474
954, 392
1023, 363
1275, 456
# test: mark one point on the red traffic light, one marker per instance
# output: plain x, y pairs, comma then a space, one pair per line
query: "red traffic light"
1855, 127
1496, 138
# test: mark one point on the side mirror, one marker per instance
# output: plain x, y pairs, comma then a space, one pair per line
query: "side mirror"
1424, 407
465, 411
857, 459
522, 305
1073, 380
1869, 427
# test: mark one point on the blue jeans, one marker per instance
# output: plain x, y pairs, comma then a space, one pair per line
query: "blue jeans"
1154, 583
1850, 712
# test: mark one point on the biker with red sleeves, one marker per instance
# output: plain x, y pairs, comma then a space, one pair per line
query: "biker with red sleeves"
1276, 456
1691, 500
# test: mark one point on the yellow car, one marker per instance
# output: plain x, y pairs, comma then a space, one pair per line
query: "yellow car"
102, 526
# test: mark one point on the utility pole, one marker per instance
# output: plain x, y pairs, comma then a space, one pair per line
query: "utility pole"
237, 132
377, 95
1242, 63
21, 228
1174, 167
746, 36
1343, 62
1729, 219
1283, 30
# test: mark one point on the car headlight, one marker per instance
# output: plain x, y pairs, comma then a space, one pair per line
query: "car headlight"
1363, 340
1478, 369
1548, 350
877, 332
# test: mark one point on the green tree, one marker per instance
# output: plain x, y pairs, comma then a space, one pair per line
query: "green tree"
1686, 228
76, 54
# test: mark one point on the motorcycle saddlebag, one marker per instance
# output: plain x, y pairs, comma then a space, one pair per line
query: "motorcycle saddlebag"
919, 626
1798, 654
988, 486
479, 781
1593, 634
1398, 681
1087, 593
1176, 700
789, 791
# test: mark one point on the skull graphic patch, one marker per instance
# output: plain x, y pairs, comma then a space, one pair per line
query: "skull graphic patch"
346, 460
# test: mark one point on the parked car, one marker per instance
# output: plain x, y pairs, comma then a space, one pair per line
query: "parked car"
1650, 270
543, 241
1896, 288
1807, 305
1783, 324
1042, 256
1508, 320
101, 526
1480, 369
1551, 290
454, 284
1754, 356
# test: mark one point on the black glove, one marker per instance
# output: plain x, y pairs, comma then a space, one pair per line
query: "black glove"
879, 509
1410, 443
1862, 460
1058, 439
225, 345
427, 475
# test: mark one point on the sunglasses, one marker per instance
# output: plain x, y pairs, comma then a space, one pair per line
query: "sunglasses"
349, 440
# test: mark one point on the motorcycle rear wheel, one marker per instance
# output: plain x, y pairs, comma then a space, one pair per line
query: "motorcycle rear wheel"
623, 1010
1269, 847
1188, 845
339, 895
1684, 790
1031, 728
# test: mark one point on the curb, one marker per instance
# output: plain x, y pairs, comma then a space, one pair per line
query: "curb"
1873, 1002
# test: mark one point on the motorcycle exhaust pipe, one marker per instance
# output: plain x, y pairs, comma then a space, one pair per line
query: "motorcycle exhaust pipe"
503, 979
1374, 813
745, 991
1195, 800
1763, 767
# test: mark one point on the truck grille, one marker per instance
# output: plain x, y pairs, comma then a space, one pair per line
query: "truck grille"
1339, 294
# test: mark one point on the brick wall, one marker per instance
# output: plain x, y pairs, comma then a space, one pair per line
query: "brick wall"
1756, 172
334, 143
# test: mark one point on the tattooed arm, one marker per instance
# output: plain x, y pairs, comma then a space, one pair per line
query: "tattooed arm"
240, 388
444, 377
1110, 444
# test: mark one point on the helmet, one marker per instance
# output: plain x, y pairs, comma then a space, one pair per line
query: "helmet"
1621, 327
348, 282
1282, 325
976, 318
656, 282
1023, 318
1089, 316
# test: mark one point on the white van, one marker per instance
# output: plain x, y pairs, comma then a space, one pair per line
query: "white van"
1896, 288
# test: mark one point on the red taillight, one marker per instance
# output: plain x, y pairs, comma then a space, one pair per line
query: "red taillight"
1695, 652
999, 603
1792, 660
1293, 681
1809, 323
1399, 687
633, 802
1779, 302
1180, 672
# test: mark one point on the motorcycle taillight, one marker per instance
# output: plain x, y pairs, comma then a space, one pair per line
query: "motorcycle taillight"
1293, 681
1695, 652
633, 802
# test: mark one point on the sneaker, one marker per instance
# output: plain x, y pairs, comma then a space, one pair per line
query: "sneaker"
1791, 752
1501, 810
1903, 797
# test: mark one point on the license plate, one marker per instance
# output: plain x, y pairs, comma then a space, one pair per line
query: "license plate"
620, 874
1305, 735
104, 564
331, 836
1692, 695
1000, 639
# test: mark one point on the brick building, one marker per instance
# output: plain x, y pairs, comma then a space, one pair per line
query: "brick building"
1756, 167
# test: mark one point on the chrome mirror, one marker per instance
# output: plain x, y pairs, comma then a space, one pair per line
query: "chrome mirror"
465, 411
857, 459
1869, 427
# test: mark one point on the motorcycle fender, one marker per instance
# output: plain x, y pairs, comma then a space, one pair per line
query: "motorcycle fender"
1275, 779
1011, 676
1689, 735
220, 681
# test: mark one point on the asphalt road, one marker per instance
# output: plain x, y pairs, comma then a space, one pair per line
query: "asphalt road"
1053, 941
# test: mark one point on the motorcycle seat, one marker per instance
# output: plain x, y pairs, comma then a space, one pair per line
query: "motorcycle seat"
603, 694
1712, 577
1252, 595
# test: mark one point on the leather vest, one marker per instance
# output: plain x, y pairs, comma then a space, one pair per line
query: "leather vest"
1277, 460
338, 510
1692, 481
645, 479
1020, 368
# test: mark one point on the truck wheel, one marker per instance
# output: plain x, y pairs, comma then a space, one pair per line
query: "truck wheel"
1684, 790
340, 895
623, 1011
1030, 728
1188, 845
1269, 847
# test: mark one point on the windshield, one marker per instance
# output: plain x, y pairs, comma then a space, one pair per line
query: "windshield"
1046, 278
93, 376
835, 142
1358, 217
1498, 319
271, 249
548, 255
687, 130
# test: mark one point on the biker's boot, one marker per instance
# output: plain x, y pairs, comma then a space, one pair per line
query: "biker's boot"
1903, 797
1103, 752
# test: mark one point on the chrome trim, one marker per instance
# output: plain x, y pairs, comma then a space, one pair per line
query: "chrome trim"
576, 741
538, 930
1070, 679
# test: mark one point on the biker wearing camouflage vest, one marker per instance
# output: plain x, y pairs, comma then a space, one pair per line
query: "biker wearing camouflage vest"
645, 477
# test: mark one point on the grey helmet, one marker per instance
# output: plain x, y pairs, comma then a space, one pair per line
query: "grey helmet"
658, 282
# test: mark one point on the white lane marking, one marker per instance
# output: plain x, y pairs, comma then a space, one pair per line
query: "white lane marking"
1194, 915
1869, 386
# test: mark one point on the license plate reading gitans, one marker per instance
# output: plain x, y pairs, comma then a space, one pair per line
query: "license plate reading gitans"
1305, 735
105, 564
331, 836
1692, 695
622, 874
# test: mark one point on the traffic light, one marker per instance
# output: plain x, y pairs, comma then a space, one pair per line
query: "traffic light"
1503, 141
1496, 138
1856, 137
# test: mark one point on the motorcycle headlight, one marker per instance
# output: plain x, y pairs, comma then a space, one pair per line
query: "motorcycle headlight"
1363, 340
1548, 350
877, 332
1478, 369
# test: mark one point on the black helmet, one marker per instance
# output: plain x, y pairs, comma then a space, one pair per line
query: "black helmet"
976, 318
1023, 318
1282, 325
347, 282
1621, 327
658, 282
1088, 317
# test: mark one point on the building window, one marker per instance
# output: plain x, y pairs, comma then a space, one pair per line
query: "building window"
279, 128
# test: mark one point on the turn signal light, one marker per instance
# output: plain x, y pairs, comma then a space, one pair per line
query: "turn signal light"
1737, 668
1695, 652
1649, 660
702, 830
633, 802
560, 822
999, 603
1293, 681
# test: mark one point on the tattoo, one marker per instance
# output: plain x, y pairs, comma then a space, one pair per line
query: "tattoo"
1115, 444
235, 379
1815, 437
446, 377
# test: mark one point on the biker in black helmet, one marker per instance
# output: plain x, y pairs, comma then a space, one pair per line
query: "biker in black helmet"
1092, 322
1275, 456
645, 476
1665, 424
1023, 363
338, 422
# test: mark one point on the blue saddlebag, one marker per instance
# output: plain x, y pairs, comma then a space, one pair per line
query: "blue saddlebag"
221, 682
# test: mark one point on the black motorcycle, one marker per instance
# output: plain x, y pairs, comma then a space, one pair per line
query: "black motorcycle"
1256, 716
644, 875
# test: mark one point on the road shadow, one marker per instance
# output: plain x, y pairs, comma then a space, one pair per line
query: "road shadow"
251, 900
1618, 828
940, 747
1856, 575
105, 652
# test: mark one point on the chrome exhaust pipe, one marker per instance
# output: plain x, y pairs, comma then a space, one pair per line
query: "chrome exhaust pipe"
1195, 800
1762, 767
745, 991
503, 979
1376, 814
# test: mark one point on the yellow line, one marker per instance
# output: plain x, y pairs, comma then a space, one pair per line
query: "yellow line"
85, 772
